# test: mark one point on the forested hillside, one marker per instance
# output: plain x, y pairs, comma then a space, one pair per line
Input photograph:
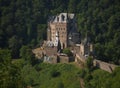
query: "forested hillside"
23, 25
24, 22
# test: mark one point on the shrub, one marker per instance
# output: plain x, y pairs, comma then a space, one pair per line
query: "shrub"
67, 51
89, 63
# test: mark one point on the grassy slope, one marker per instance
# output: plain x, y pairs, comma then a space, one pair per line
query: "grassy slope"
59, 76
51, 76
45, 75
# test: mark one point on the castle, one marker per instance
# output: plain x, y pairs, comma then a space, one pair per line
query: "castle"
62, 30
62, 33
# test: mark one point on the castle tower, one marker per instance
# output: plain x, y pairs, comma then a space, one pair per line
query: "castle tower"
59, 27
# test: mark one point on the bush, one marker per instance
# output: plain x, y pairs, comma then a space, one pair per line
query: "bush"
67, 51
89, 63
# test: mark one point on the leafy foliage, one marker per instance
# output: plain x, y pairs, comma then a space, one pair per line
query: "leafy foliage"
24, 22
67, 51
27, 55
9, 73
89, 63
99, 78
30, 76
52, 75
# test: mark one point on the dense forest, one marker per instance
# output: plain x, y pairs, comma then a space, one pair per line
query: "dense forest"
23, 25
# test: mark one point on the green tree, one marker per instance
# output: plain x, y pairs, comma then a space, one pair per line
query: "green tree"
72, 6
9, 73
41, 32
30, 76
14, 45
89, 63
27, 55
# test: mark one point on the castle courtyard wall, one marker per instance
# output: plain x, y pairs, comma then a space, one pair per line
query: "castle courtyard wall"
104, 65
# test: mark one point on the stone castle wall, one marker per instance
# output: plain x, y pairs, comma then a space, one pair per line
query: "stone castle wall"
104, 65
79, 58
100, 64
63, 59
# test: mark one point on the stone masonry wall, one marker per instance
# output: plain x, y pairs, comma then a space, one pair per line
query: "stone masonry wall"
64, 59
104, 66
100, 64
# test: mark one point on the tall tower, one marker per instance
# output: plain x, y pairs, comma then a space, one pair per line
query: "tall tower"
59, 27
